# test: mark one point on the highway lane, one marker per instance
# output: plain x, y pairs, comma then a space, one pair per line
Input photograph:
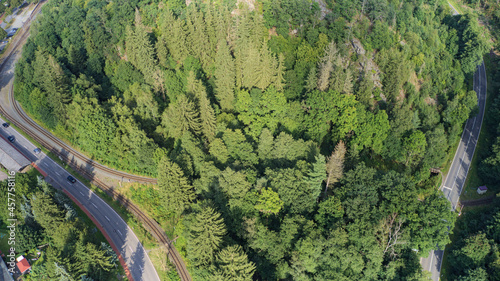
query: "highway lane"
457, 175
122, 236
91, 169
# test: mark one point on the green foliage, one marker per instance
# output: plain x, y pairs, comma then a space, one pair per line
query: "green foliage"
234, 265
206, 236
269, 202
52, 226
175, 191
231, 108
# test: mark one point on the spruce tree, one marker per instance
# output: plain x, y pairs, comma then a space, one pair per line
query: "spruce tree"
175, 191
234, 265
316, 176
326, 66
179, 117
280, 72
335, 164
312, 80
206, 235
224, 76
207, 114
266, 70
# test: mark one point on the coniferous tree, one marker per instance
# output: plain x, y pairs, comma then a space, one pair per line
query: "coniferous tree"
234, 265
365, 90
326, 66
312, 79
316, 176
207, 115
176, 193
335, 165
174, 35
224, 76
140, 51
179, 117
206, 236
280, 71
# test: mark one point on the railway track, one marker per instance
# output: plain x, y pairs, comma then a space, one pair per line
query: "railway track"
66, 148
151, 225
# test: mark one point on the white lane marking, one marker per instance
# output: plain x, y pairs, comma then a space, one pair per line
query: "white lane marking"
130, 249
94, 205
444, 186
58, 174
142, 269
119, 232
432, 257
25, 147
107, 218
82, 193
45, 164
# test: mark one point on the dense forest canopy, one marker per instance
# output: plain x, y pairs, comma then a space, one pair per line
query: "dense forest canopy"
294, 141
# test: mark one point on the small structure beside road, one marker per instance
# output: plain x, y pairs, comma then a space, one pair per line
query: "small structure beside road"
482, 189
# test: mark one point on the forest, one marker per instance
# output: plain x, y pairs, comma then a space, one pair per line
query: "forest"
290, 141
58, 238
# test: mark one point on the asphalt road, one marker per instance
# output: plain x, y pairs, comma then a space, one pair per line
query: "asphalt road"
455, 180
123, 237
115, 227
91, 166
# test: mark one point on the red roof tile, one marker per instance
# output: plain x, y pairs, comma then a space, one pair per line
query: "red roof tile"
23, 265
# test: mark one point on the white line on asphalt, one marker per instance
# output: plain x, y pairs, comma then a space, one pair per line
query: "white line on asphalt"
58, 174
107, 218
119, 232
432, 257
94, 205
45, 164
82, 193
130, 249
444, 186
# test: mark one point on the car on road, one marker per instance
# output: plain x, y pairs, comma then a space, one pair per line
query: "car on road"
37, 150
11, 138
12, 32
5, 125
71, 179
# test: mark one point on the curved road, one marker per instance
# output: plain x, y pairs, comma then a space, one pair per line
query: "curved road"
455, 180
126, 243
60, 148
133, 255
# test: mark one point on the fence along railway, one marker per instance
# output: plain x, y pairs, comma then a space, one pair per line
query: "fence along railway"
150, 225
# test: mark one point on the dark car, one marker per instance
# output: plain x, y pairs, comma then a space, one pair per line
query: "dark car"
5, 125
37, 150
71, 179
11, 138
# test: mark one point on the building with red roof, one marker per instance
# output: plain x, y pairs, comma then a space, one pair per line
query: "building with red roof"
22, 264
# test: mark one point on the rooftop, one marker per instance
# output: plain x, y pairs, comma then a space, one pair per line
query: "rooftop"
11, 158
23, 264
